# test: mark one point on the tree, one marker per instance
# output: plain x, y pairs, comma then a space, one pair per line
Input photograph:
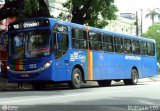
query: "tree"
152, 14
24, 8
36, 8
11, 8
153, 32
90, 12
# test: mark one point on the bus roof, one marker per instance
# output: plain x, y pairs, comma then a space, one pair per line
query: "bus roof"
100, 30
91, 28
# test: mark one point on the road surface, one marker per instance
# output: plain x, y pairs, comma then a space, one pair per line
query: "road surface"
118, 97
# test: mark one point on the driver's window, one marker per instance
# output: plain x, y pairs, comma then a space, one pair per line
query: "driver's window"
61, 41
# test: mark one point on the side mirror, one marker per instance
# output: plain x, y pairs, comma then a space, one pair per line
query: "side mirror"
59, 37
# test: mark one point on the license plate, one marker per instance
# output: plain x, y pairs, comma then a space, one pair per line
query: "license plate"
24, 75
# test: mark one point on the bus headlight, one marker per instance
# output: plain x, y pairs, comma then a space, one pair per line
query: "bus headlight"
8, 67
47, 64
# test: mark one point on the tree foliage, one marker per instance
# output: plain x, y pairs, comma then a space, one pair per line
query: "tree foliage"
11, 9
36, 8
24, 8
153, 32
90, 12
152, 14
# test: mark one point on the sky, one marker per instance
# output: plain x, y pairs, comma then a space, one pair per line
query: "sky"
131, 6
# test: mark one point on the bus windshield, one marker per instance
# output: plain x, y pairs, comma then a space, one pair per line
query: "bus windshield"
30, 44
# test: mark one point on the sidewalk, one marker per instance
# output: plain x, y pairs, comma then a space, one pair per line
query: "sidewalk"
5, 86
151, 79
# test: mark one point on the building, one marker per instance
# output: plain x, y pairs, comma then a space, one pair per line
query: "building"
130, 16
4, 23
122, 25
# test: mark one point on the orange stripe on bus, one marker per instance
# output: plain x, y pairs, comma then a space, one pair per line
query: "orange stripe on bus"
90, 65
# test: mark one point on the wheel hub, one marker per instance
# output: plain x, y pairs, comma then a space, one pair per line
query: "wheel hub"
77, 78
135, 78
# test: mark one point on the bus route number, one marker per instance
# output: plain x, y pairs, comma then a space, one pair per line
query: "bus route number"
32, 66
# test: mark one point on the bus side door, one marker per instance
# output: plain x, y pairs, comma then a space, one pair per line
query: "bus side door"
61, 44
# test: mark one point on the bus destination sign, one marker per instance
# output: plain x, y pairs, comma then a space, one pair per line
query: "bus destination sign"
29, 24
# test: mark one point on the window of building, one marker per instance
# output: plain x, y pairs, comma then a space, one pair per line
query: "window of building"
122, 29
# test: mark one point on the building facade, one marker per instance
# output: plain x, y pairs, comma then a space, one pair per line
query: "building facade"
122, 25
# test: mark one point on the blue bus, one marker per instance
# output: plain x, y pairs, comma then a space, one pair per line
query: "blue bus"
48, 50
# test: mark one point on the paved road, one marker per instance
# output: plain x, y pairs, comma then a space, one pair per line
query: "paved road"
117, 97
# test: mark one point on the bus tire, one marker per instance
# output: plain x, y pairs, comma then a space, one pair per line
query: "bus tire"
117, 80
104, 83
76, 79
134, 78
38, 86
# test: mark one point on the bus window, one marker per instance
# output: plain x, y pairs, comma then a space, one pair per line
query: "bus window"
127, 46
143, 48
151, 49
118, 44
30, 44
135, 47
108, 43
61, 46
79, 39
95, 41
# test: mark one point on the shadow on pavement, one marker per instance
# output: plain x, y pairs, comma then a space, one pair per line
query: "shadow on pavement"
12, 87
105, 104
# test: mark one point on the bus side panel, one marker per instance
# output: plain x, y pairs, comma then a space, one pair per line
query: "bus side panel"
76, 57
61, 69
149, 67
97, 65
131, 61
114, 66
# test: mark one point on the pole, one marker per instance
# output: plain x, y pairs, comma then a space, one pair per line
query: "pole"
141, 21
137, 28
47, 2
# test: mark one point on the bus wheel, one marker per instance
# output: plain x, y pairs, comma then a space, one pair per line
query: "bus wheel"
104, 83
38, 86
117, 80
134, 78
76, 81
